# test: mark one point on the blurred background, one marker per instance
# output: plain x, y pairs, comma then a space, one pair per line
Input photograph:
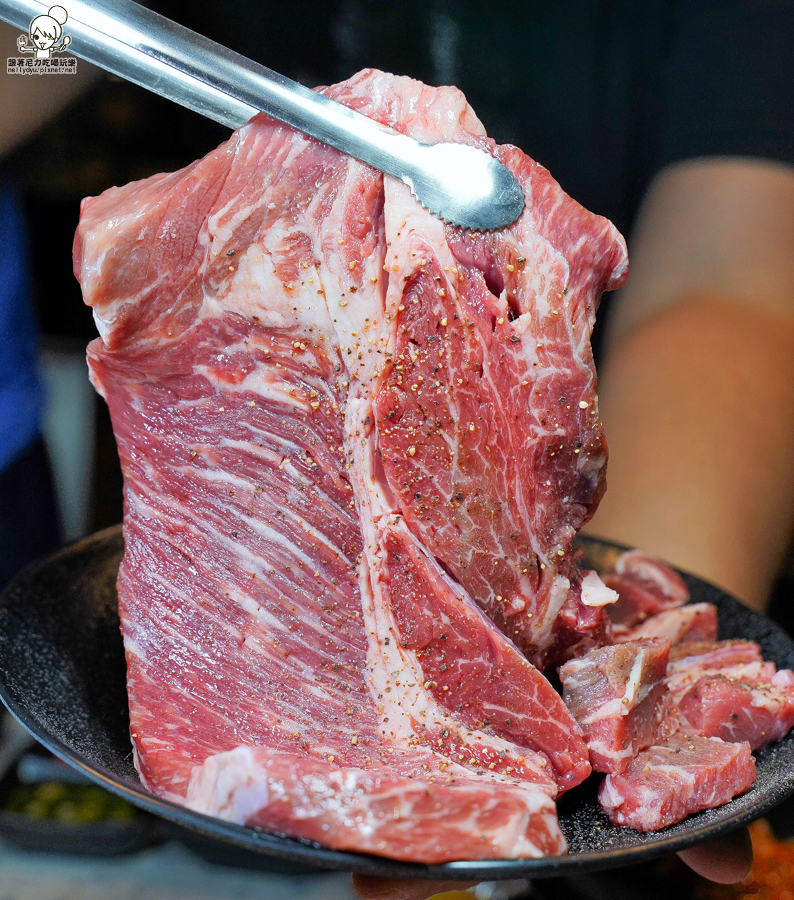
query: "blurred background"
605, 94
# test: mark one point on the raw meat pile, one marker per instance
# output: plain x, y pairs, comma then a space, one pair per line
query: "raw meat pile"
357, 445
670, 713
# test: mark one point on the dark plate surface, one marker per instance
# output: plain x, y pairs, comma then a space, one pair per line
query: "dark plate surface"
62, 674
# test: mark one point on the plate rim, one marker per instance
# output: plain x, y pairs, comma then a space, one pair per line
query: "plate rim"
302, 851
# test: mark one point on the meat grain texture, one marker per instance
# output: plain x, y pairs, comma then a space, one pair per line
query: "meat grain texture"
357, 444
666, 783
618, 696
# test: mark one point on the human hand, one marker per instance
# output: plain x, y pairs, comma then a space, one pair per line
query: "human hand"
724, 861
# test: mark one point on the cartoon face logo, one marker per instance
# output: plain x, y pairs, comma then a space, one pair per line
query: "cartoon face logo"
44, 34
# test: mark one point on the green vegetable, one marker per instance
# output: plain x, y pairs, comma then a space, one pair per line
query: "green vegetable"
72, 803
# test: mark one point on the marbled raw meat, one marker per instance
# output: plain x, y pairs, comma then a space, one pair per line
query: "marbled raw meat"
618, 696
725, 689
695, 622
712, 654
378, 808
752, 710
488, 426
680, 682
690, 661
645, 586
667, 783
347, 430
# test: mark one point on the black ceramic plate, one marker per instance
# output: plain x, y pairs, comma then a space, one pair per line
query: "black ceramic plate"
62, 675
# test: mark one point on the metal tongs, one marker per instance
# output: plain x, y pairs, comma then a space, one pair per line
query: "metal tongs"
462, 185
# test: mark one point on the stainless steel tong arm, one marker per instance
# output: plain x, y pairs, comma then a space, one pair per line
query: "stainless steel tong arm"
463, 185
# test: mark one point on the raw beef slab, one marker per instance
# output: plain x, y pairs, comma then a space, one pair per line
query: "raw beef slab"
724, 689
618, 696
357, 444
665, 784
695, 622
714, 689
645, 587
759, 713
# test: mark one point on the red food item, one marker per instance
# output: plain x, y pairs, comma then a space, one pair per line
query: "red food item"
721, 706
724, 689
690, 661
463, 655
695, 622
713, 654
667, 783
487, 422
645, 586
375, 810
350, 435
618, 696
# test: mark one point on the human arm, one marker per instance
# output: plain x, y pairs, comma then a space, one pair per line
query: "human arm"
697, 389
23, 45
